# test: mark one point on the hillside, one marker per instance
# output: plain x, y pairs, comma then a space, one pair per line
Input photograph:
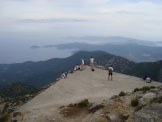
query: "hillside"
80, 85
153, 69
41, 73
17, 89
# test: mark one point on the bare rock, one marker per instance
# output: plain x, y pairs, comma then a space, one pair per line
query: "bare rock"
155, 90
150, 95
151, 113
113, 117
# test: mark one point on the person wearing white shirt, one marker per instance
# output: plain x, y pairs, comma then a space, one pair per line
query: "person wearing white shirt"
92, 63
83, 64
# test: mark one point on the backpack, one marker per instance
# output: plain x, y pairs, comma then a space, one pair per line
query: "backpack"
93, 70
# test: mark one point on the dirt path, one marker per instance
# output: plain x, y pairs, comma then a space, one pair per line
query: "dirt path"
78, 86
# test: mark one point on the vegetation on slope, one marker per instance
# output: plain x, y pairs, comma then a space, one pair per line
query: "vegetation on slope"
41, 73
17, 89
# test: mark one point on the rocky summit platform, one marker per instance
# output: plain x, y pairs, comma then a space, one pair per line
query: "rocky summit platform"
80, 85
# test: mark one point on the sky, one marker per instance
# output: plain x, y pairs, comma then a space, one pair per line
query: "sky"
24, 23
33, 21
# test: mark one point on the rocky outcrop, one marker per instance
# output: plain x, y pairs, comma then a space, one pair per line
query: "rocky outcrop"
142, 105
150, 113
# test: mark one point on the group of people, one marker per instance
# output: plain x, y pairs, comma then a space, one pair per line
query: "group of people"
110, 69
82, 66
84, 62
92, 64
74, 69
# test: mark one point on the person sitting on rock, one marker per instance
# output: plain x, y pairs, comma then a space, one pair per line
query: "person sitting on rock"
66, 74
75, 68
110, 72
148, 80
78, 67
145, 76
63, 75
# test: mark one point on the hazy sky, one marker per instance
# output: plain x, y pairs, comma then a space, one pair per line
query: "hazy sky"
46, 20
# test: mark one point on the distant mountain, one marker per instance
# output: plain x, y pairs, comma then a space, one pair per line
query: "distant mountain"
112, 40
41, 73
131, 51
159, 43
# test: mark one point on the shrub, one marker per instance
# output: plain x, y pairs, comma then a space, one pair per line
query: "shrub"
122, 93
5, 107
136, 89
134, 102
72, 105
145, 88
4, 118
152, 87
83, 103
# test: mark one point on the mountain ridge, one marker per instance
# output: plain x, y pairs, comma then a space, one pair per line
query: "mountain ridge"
41, 73
130, 50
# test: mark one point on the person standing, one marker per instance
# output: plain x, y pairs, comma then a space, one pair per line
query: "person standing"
83, 63
110, 72
92, 63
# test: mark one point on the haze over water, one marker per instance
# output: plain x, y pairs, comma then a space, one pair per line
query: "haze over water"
22, 53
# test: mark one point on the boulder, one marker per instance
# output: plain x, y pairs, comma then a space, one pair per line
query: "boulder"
150, 113
113, 117
155, 90
150, 95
